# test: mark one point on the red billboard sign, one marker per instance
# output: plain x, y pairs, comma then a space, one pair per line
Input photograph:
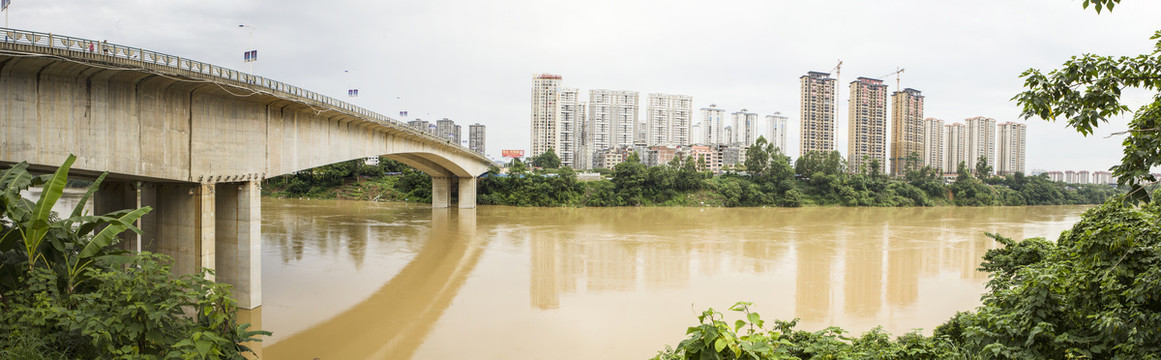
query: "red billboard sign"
512, 153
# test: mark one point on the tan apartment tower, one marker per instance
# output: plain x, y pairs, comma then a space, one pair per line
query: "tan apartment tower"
817, 112
1011, 152
980, 140
934, 144
867, 125
906, 129
956, 148
545, 113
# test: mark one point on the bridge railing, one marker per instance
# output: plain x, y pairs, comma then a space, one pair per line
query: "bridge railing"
104, 48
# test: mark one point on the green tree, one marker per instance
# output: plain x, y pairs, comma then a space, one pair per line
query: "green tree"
757, 158
546, 160
629, 179
1086, 91
874, 168
983, 170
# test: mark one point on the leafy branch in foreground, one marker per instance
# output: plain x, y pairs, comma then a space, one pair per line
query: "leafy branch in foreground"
1087, 91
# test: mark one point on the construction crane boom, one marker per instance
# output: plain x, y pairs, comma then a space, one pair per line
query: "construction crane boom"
898, 70
837, 84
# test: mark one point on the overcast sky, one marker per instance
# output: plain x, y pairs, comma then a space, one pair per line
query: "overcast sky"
473, 61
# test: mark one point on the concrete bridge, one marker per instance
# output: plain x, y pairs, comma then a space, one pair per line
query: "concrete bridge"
194, 141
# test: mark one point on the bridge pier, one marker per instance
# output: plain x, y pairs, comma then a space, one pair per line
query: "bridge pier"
113, 196
238, 229
209, 226
441, 192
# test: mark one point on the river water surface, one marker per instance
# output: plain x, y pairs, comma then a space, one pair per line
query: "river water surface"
363, 280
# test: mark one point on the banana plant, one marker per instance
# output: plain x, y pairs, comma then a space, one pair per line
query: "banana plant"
72, 247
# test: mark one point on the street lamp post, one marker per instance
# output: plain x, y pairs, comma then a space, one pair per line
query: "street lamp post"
251, 47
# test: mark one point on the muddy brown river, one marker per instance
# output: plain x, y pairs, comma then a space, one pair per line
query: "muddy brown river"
364, 280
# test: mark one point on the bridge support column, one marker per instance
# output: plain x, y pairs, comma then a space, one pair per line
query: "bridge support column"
183, 225
467, 195
238, 230
440, 192
113, 196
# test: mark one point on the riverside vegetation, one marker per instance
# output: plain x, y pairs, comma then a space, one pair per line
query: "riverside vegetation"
1094, 293
66, 291
768, 179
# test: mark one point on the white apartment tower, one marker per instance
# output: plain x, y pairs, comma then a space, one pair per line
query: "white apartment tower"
934, 144
712, 125
599, 128
545, 113
817, 112
668, 120
867, 127
980, 140
776, 130
745, 125
572, 115
1011, 151
956, 148
906, 128
615, 111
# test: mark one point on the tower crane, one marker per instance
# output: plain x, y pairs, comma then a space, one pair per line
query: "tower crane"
898, 70
837, 84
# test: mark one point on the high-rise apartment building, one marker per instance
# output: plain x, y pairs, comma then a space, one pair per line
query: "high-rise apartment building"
980, 140
713, 125
419, 124
668, 120
476, 138
696, 134
599, 128
906, 129
817, 112
934, 144
616, 111
545, 113
956, 148
867, 127
457, 135
445, 129
745, 125
776, 130
1011, 152
572, 115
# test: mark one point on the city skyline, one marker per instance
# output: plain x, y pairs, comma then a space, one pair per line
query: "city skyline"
469, 61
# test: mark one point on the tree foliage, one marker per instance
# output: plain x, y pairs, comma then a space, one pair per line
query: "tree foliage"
546, 160
1087, 91
67, 292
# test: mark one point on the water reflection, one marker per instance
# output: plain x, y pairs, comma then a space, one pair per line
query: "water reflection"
364, 280
394, 320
